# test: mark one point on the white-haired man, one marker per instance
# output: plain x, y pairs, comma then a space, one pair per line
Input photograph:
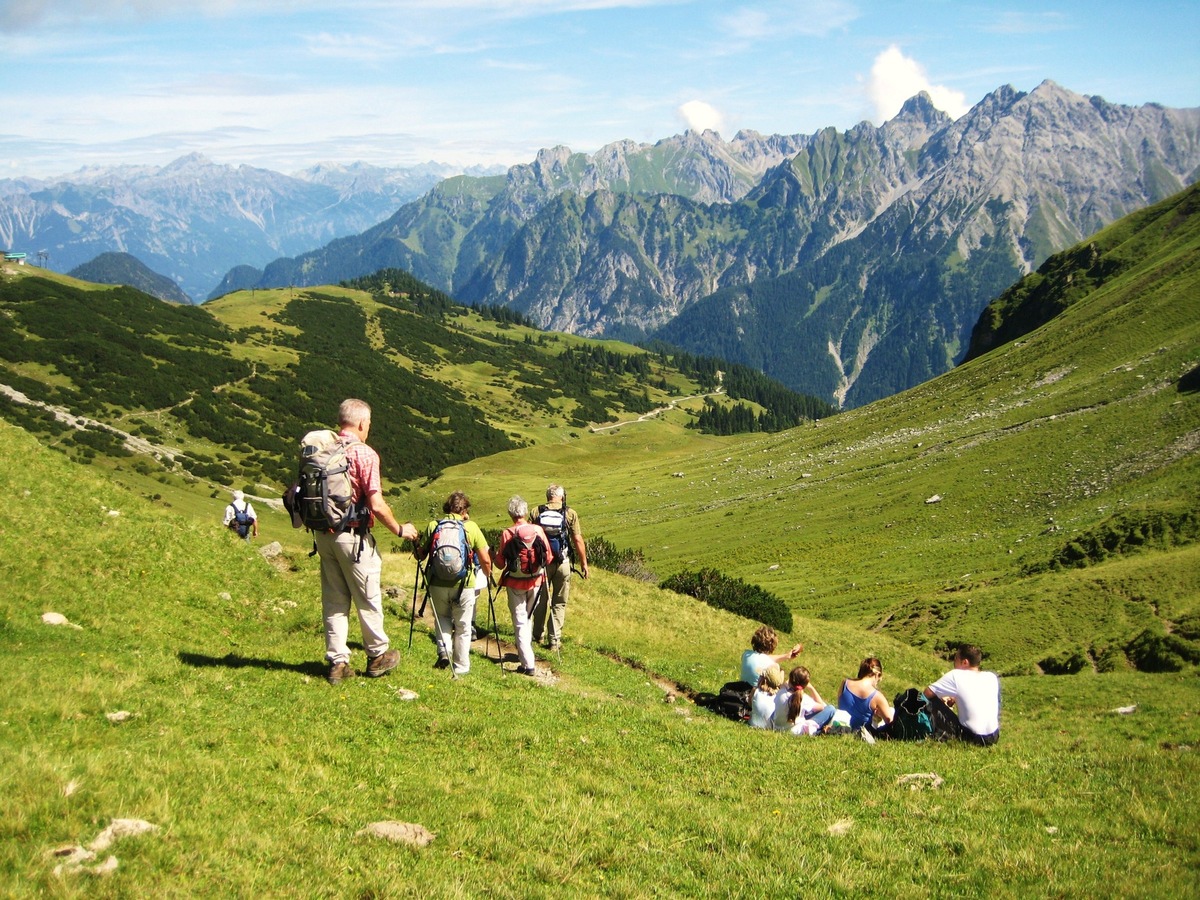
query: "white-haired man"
561, 526
240, 517
350, 560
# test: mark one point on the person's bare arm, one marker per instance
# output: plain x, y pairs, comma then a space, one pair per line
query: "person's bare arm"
384, 514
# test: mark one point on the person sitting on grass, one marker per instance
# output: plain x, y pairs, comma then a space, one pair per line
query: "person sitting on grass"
799, 708
975, 693
762, 701
761, 654
860, 697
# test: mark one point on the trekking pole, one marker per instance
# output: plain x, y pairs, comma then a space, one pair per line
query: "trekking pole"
412, 622
495, 628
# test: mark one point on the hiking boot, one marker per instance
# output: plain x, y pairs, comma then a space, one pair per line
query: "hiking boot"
338, 672
522, 670
443, 662
383, 663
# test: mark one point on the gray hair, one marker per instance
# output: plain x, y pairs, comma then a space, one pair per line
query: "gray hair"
353, 412
517, 507
555, 492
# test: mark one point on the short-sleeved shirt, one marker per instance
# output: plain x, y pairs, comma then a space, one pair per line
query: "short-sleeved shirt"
513, 581
977, 696
362, 463
754, 664
571, 524
475, 541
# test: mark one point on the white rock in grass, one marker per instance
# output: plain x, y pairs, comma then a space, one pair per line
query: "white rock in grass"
917, 780
840, 827
120, 828
1125, 710
400, 833
105, 868
936, 498
121, 715
53, 618
406, 694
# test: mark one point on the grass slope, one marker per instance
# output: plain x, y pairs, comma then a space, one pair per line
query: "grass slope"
955, 511
259, 776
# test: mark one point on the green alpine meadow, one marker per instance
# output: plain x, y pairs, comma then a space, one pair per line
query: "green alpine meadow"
166, 729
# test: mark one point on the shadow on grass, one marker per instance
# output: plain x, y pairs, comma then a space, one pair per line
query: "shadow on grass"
315, 668
1190, 383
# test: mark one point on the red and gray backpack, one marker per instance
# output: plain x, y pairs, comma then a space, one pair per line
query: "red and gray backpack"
525, 553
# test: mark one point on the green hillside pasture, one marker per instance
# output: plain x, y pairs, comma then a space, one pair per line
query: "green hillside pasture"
902, 514
259, 776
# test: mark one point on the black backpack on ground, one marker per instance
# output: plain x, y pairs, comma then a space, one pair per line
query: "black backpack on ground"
733, 701
913, 721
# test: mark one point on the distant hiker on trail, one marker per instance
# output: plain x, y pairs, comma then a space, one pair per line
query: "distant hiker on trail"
762, 701
240, 517
860, 697
350, 560
457, 567
975, 693
762, 654
524, 551
799, 708
561, 526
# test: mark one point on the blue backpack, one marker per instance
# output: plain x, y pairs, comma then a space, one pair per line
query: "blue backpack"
449, 559
554, 524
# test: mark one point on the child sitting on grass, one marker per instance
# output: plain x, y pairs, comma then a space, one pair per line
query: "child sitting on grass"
762, 701
799, 708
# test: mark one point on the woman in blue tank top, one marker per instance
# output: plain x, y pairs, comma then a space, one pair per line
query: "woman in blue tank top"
860, 697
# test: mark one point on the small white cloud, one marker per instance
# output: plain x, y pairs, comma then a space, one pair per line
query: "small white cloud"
701, 116
896, 77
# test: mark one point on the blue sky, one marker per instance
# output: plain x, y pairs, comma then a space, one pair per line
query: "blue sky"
284, 85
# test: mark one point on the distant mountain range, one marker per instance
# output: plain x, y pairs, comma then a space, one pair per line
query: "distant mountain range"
193, 220
847, 265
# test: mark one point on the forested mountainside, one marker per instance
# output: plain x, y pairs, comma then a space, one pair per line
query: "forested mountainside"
854, 268
125, 268
249, 374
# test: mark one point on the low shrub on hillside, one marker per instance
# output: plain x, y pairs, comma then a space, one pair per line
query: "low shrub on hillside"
1147, 527
630, 563
1150, 652
734, 595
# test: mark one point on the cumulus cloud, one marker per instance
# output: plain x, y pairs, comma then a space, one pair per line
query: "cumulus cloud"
896, 77
700, 116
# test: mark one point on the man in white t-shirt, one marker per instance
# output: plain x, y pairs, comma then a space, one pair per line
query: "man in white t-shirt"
974, 693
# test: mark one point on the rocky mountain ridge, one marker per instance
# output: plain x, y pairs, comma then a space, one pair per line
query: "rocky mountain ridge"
194, 219
855, 266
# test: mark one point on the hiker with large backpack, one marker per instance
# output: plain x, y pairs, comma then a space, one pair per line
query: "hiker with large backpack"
561, 526
976, 696
454, 556
524, 550
338, 497
240, 517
